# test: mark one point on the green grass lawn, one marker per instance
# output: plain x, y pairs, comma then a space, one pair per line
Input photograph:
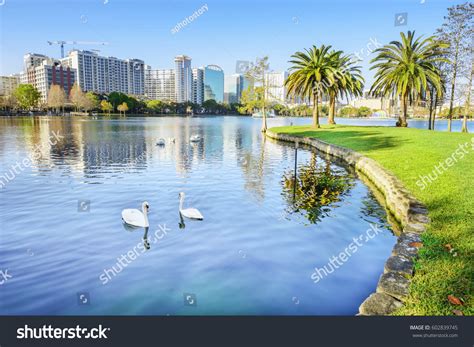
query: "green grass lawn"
409, 153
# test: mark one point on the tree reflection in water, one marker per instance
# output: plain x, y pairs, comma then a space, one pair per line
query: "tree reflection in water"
318, 187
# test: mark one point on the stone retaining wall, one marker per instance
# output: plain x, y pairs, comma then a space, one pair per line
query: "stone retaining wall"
392, 288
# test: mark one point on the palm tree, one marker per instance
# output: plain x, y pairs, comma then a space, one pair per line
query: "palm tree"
407, 68
348, 81
312, 72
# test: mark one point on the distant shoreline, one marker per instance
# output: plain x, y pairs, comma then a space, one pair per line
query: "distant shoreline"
158, 115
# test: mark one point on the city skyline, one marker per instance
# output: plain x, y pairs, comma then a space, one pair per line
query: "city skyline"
147, 31
103, 75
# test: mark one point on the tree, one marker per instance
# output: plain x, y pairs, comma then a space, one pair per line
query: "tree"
280, 109
406, 68
77, 97
347, 81
123, 107
117, 98
311, 74
8, 102
435, 97
56, 97
251, 100
210, 106
364, 111
457, 31
91, 101
106, 106
348, 111
256, 75
27, 96
468, 97
156, 106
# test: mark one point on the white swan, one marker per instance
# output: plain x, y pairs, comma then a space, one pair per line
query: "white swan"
135, 217
172, 140
160, 142
195, 138
190, 213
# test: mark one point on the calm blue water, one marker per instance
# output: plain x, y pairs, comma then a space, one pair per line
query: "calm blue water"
61, 231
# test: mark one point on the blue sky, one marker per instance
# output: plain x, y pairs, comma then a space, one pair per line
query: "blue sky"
228, 31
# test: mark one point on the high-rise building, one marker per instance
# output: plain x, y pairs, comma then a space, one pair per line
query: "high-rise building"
198, 85
183, 78
33, 60
276, 90
43, 73
107, 74
136, 77
213, 83
232, 88
8, 84
160, 84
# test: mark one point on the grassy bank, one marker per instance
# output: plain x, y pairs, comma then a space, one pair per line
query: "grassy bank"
446, 263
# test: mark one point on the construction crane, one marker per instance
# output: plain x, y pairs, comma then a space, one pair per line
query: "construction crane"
62, 43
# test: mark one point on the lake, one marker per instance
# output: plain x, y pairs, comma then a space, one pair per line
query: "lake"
264, 233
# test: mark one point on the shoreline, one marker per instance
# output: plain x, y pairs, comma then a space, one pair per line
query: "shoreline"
392, 288
159, 115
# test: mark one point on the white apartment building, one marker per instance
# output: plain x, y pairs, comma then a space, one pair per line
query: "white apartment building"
43, 73
33, 60
107, 74
8, 84
183, 78
198, 85
276, 90
160, 84
136, 77
374, 103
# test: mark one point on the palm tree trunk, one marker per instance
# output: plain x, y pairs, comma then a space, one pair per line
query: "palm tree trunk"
316, 111
332, 108
464, 124
432, 104
402, 121
436, 101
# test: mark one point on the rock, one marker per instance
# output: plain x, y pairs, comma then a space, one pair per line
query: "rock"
418, 218
409, 237
405, 245
379, 304
400, 265
393, 284
415, 228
